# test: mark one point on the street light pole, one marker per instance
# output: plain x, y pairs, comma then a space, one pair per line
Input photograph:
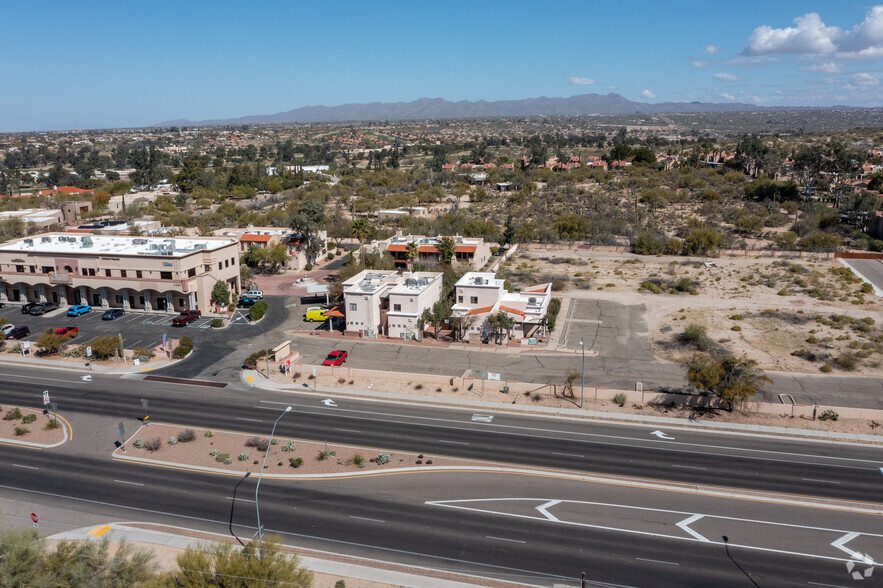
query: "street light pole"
582, 383
261, 475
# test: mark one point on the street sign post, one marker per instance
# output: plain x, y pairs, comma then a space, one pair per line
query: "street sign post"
144, 406
122, 437
34, 518
45, 397
88, 352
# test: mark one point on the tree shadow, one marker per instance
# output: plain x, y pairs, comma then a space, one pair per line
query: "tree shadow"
233, 507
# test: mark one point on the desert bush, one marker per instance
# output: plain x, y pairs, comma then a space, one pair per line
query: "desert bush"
28, 419
826, 369
251, 361
847, 361
13, 414
20, 431
697, 335
208, 434
51, 424
382, 459
153, 444
173, 440
222, 457
186, 436
620, 398
217, 323
258, 443
258, 311
325, 454
243, 456
139, 351
357, 460
829, 415
295, 462
139, 443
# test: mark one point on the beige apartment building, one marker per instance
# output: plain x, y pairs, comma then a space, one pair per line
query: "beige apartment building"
133, 273
480, 294
472, 251
382, 302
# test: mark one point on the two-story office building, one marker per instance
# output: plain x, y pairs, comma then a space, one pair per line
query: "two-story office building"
472, 251
480, 294
388, 303
150, 274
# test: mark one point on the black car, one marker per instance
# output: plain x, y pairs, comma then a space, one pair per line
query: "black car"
246, 302
18, 333
111, 314
43, 307
26, 308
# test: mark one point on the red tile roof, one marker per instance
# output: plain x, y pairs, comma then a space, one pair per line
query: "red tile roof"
255, 238
514, 311
73, 190
465, 249
397, 248
480, 310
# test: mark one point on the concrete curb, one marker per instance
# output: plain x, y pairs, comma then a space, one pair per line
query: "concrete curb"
736, 428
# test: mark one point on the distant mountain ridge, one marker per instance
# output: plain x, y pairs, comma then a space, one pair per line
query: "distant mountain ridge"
439, 108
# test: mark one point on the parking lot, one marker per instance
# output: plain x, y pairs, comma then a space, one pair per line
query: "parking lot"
139, 329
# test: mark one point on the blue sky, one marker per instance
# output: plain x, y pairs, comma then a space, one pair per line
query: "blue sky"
97, 64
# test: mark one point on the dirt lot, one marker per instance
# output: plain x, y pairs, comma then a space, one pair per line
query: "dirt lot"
812, 306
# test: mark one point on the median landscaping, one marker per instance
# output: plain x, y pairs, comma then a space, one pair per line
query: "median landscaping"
29, 425
244, 452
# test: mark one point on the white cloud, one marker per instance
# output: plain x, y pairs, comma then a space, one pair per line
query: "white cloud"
725, 77
863, 80
648, 95
866, 38
583, 82
823, 68
809, 36
729, 97
700, 63
711, 50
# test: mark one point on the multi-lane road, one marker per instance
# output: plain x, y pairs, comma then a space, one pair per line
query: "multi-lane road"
630, 505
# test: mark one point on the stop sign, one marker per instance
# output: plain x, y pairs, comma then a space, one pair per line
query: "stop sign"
34, 517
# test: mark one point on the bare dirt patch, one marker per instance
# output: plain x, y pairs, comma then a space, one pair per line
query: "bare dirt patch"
28, 425
243, 452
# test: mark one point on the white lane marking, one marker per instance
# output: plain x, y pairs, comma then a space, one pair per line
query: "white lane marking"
543, 509
249, 420
504, 539
329, 402
659, 561
367, 519
567, 454
238, 499
822, 481
348, 430
482, 418
20, 377
453, 442
661, 435
692, 518
590, 438
125, 482
857, 555
827, 585
687, 467
15, 465
685, 526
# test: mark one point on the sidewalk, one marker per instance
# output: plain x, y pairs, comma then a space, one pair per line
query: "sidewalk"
168, 545
80, 365
258, 380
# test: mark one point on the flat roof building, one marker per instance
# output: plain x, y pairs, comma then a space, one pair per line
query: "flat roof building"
144, 273
472, 251
384, 302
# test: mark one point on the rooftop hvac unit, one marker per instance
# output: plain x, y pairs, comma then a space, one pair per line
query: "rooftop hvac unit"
45, 239
200, 246
85, 241
411, 283
139, 241
29, 242
479, 280
422, 281
531, 301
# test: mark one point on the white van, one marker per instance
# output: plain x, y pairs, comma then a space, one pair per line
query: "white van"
257, 294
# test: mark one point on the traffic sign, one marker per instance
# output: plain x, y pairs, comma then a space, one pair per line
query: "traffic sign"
45, 397
34, 517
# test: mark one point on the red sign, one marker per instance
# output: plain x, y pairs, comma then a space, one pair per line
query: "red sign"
34, 517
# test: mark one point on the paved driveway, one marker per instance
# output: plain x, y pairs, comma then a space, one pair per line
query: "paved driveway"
871, 269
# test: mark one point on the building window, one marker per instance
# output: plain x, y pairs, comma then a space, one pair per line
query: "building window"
227, 263
137, 273
220, 265
141, 299
165, 275
460, 299
352, 306
48, 269
107, 273
91, 271
473, 300
191, 272
21, 269
397, 307
33, 269
119, 299
123, 273
180, 302
207, 268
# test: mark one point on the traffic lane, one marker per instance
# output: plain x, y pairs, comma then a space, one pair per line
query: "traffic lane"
658, 461
393, 516
871, 269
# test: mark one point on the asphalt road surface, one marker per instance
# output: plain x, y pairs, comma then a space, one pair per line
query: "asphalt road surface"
872, 269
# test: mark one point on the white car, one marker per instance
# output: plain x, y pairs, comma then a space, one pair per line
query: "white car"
6, 328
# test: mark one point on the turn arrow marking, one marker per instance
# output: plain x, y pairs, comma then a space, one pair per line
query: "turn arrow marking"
661, 435
329, 402
87, 378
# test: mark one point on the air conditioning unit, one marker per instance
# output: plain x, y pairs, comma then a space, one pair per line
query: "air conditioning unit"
479, 280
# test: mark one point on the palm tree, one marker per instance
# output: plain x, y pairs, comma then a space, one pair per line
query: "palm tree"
361, 229
412, 250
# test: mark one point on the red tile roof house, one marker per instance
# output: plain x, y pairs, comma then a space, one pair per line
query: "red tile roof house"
478, 295
449, 166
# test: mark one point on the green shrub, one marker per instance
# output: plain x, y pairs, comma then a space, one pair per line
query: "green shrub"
103, 347
826, 369
288, 446
13, 414
258, 311
736, 317
20, 431
208, 434
866, 288
295, 462
139, 443
251, 362
180, 352
223, 458
620, 398
697, 335
325, 454
173, 440
829, 415
357, 460
28, 419
382, 459
51, 424
217, 323
243, 456
735, 328
142, 351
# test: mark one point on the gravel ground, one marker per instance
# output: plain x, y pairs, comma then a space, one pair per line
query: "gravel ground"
36, 431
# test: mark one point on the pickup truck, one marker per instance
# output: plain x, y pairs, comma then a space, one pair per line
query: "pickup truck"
186, 316
44, 307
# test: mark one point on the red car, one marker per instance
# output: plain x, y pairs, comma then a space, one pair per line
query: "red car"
336, 357
186, 316
67, 331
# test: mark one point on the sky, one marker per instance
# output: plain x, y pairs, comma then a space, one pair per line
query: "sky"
101, 64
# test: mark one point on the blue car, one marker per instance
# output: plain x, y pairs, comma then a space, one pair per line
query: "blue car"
78, 309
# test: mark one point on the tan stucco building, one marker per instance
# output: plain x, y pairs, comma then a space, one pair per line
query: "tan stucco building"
388, 303
133, 273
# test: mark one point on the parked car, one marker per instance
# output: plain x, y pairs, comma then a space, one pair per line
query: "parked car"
315, 313
67, 331
78, 309
4, 330
256, 294
186, 317
19, 332
246, 302
26, 308
113, 313
42, 308
336, 357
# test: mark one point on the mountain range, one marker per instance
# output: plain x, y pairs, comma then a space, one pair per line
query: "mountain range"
439, 108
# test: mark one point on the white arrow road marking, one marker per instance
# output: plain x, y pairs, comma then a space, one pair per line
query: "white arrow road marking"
329, 402
543, 510
661, 435
857, 555
685, 526
87, 378
482, 418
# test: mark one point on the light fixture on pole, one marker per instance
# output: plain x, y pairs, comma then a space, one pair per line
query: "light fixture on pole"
582, 383
261, 474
